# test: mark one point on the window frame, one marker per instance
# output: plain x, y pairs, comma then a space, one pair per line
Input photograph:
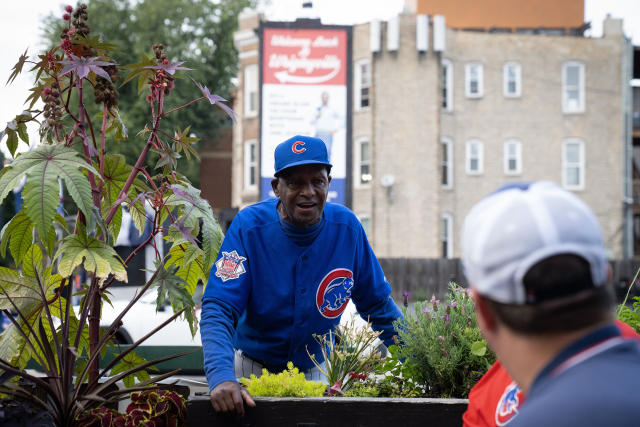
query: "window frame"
446, 145
249, 81
580, 108
480, 158
518, 157
446, 86
446, 235
467, 79
358, 85
359, 163
247, 164
518, 79
581, 164
365, 217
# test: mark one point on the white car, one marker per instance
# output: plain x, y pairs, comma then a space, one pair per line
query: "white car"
143, 317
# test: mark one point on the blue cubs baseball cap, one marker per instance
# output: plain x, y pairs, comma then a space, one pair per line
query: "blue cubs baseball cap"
300, 150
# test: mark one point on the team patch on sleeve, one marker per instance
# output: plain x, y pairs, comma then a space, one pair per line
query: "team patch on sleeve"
230, 266
509, 404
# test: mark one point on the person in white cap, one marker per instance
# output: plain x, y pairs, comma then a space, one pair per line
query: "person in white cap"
535, 258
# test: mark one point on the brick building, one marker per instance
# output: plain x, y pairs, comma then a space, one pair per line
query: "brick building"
441, 116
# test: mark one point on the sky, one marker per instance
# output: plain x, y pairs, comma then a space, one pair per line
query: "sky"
20, 29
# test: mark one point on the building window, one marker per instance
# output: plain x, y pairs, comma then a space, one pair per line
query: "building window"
573, 97
362, 84
573, 164
475, 157
447, 85
446, 235
512, 157
446, 164
512, 80
473, 80
363, 162
365, 220
251, 90
250, 164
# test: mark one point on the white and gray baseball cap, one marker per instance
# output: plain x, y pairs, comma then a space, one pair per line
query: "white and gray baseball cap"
520, 224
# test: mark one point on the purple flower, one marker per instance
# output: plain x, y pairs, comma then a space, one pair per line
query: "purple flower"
426, 310
83, 66
453, 304
215, 100
169, 68
405, 298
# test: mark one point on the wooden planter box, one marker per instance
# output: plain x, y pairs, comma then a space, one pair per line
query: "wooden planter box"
333, 412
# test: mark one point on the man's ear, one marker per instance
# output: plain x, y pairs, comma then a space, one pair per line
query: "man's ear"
329, 179
486, 318
274, 186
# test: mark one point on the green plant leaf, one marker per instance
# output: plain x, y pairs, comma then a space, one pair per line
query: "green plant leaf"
186, 195
188, 258
32, 265
43, 166
19, 234
116, 172
139, 70
173, 289
94, 255
22, 132
479, 348
130, 361
12, 141
22, 290
17, 69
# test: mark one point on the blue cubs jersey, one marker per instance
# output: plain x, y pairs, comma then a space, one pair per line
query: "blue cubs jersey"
268, 296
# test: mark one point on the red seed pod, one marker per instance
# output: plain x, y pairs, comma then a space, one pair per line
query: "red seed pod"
68, 8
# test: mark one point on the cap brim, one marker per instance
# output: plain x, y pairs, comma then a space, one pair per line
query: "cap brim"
303, 162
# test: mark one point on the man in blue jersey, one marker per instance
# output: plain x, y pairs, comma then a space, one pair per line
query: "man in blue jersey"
535, 258
286, 270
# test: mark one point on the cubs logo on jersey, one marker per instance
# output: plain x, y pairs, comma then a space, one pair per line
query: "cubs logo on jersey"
230, 266
334, 292
508, 404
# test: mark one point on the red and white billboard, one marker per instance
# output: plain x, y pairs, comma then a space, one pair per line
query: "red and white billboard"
304, 92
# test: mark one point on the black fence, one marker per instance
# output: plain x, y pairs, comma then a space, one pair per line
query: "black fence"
426, 277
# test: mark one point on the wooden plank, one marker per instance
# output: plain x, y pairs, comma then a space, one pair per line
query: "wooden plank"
334, 412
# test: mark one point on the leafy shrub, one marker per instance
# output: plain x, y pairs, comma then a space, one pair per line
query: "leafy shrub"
443, 347
631, 315
288, 383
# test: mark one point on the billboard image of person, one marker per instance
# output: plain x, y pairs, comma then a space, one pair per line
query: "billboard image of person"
304, 92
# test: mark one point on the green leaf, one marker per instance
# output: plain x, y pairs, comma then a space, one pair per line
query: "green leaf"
50, 243
12, 142
22, 132
138, 216
95, 43
186, 195
188, 258
130, 361
183, 142
32, 264
43, 166
139, 70
94, 255
22, 290
17, 69
19, 233
116, 172
173, 289
479, 348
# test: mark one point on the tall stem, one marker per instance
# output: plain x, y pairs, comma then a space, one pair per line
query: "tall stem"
138, 166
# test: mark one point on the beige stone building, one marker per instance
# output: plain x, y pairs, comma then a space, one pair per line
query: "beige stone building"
441, 117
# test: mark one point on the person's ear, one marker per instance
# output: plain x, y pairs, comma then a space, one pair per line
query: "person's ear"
329, 179
484, 315
274, 186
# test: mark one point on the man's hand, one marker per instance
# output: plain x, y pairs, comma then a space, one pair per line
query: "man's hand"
229, 397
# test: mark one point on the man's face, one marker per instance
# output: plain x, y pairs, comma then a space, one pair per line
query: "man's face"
303, 192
